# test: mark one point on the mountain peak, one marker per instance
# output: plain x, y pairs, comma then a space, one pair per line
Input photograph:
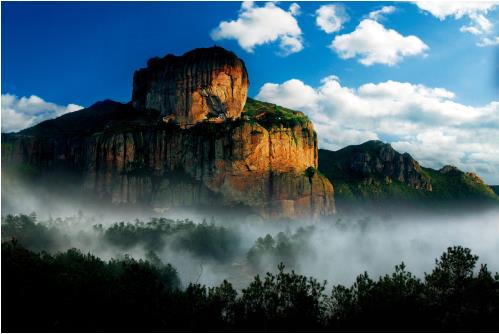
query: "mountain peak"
374, 170
201, 84
448, 169
373, 159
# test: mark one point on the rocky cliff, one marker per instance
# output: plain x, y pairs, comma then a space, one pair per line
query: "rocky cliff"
265, 161
200, 84
374, 172
375, 159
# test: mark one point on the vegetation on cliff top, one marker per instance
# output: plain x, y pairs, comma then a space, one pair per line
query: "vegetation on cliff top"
271, 115
115, 118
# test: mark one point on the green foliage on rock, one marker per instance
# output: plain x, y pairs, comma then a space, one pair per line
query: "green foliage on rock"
456, 184
270, 115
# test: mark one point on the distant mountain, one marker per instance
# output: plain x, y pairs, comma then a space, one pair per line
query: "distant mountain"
373, 173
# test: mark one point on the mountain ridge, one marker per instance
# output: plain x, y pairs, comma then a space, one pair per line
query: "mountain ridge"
373, 172
184, 140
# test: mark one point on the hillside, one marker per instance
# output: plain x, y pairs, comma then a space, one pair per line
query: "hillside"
373, 173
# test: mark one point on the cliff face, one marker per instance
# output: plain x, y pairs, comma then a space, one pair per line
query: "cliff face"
223, 164
374, 159
374, 175
202, 83
264, 159
383, 160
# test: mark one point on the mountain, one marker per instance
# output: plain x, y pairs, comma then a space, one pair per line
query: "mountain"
202, 82
189, 138
375, 174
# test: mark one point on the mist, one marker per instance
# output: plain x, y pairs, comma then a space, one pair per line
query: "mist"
339, 254
336, 249
210, 247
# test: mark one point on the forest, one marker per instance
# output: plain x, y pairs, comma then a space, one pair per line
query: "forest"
49, 289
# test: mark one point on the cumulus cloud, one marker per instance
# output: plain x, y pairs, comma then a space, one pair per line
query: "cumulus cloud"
424, 121
480, 25
378, 14
474, 11
262, 25
330, 18
488, 41
374, 44
20, 113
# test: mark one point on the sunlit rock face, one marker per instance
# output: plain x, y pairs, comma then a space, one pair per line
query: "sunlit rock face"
264, 160
208, 165
200, 84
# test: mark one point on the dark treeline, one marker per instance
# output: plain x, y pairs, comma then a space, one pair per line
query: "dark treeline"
71, 291
205, 241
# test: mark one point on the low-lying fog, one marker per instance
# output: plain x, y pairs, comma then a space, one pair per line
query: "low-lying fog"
336, 250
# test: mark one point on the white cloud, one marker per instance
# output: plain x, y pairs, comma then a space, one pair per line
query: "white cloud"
475, 11
295, 9
480, 25
378, 14
427, 122
330, 18
458, 9
488, 41
20, 113
262, 25
375, 44
292, 93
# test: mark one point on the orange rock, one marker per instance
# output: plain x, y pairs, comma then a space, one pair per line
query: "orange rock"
237, 161
199, 84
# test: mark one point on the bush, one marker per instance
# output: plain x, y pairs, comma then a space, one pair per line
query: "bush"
268, 252
38, 237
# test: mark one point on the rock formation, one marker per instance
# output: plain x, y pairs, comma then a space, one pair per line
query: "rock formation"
200, 84
390, 164
265, 160
375, 176
448, 169
377, 159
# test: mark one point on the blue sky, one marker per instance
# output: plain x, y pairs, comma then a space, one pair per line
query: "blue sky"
65, 55
84, 52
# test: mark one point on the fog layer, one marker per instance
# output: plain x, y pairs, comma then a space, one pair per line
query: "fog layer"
336, 249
